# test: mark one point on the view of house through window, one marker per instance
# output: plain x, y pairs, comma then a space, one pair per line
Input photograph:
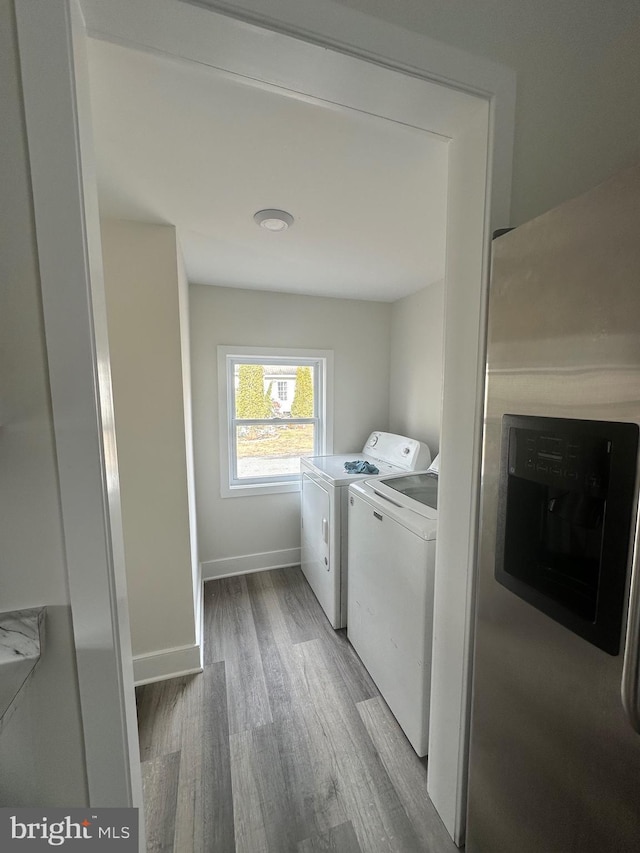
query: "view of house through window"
275, 418
274, 407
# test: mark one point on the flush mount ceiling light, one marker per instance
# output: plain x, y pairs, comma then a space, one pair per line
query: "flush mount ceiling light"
273, 220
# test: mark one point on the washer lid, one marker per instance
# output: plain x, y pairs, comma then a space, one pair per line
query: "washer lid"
419, 486
415, 516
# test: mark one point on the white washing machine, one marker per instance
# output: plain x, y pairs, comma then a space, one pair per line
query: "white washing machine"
392, 544
325, 485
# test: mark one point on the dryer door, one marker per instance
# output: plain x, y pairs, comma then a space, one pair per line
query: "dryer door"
316, 535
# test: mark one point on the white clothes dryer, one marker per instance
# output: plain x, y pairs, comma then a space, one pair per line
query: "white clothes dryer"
324, 533
393, 524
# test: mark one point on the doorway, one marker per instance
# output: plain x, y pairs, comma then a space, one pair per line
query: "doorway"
479, 126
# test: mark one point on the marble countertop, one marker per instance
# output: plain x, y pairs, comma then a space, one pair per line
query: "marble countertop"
21, 641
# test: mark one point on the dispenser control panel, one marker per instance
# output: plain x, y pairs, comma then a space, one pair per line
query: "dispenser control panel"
563, 460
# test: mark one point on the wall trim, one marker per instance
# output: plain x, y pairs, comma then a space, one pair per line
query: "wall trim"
167, 663
54, 76
227, 567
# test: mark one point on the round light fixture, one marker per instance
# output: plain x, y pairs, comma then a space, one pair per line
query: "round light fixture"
273, 220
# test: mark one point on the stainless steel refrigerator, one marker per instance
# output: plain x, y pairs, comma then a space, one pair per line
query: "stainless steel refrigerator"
555, 749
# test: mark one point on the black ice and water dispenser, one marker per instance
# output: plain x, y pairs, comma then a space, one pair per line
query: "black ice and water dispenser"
566, 499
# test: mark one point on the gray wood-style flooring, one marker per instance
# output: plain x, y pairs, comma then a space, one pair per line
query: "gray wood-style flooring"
283, 744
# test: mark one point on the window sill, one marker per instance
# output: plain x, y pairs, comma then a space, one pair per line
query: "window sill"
253, 489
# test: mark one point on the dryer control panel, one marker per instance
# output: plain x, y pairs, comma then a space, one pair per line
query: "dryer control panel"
407, 453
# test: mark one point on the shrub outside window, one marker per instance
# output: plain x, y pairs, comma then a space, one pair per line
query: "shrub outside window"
273, 410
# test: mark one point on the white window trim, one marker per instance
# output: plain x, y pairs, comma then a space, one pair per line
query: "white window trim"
227, 354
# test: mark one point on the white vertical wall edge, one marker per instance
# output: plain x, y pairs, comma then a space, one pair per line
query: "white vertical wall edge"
51, 43
464, 342
185, 346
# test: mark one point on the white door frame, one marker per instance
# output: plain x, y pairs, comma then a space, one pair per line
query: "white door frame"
481, 134
51, 44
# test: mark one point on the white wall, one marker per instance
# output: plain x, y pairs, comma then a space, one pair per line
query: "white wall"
578, 73
415, 396
41, 748
142, 286
357, 332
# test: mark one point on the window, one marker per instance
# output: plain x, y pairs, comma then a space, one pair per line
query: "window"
274, 408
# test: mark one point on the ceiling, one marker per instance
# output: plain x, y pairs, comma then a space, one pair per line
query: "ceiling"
181, 143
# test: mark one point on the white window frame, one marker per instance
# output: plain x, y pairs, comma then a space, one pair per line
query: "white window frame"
228, 356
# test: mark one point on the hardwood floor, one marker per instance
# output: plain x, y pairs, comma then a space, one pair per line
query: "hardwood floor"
283, 744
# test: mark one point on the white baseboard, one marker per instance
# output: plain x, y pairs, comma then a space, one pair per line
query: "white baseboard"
168, 663
227, 567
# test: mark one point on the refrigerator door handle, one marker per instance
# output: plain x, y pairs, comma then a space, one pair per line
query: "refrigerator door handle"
631, 668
